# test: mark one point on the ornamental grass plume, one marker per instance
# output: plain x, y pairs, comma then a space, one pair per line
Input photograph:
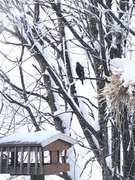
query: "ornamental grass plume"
116, 93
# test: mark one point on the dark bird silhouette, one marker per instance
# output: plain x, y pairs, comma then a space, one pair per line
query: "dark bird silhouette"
80, 71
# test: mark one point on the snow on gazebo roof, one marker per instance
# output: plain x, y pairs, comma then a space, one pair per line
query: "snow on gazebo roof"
41, 137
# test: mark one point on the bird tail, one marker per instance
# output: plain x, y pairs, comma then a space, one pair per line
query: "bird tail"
82, 81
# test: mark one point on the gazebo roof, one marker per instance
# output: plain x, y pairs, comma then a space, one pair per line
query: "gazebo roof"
42, 138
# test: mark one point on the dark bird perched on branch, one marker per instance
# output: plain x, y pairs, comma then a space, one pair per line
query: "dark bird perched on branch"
80, 71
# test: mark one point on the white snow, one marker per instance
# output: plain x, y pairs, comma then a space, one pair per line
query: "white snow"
40, 137
34, 137
95, 125
109, 162
125, 67
128, 74
95, 141
84, 111
118, 64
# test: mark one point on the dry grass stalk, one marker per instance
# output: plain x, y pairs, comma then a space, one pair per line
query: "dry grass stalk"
116, 92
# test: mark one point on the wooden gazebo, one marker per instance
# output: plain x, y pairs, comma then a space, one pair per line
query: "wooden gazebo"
37, 153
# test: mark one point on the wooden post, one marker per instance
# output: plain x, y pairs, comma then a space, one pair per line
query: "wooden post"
28, 163
15, 159
21, 162
54, 157
7, 163
1, 157
41, 159
36, 160
37, 177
